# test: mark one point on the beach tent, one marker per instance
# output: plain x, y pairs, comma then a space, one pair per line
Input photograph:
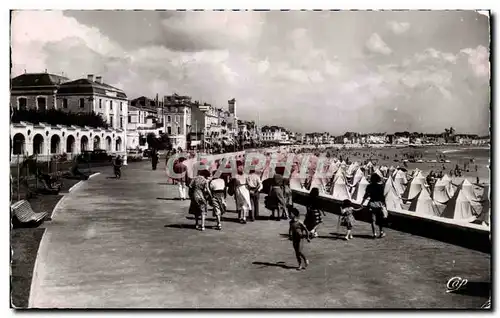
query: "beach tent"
377, 171
413, 188
353, 167
459, 207
424, 205
392, 171
400, 181
359, 190
358, 175
440, 193
393, 199
450, 187
484, 217
468, 189
296, 181
317, 183
340, 191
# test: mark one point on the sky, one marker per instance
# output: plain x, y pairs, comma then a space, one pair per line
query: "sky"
363, 71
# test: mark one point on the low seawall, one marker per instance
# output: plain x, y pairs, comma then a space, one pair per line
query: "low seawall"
467, 235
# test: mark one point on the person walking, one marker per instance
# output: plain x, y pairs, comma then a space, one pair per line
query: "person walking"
199, 193
154, 159
375, 192
277, 200
297, 233
254, 186
242, 195
182, 179
313, 214
217, 188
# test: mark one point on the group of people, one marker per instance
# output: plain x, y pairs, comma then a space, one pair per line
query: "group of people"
210, 189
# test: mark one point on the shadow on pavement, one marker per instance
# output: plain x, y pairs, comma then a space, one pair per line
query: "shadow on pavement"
475, 289
277, 264
181, 226
169, 199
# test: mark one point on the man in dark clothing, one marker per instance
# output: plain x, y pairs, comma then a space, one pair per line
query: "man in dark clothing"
154, 159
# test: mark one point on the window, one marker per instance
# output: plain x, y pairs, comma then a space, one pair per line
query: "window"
22, 103
111, 122
121, 121
111, 105
82, 102
178, 130
169, 130
177, 118
41, 103
129, 119
100, 102
121, 106
169, 119
65, 103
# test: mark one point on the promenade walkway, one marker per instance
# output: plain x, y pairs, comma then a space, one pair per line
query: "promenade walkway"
127, 244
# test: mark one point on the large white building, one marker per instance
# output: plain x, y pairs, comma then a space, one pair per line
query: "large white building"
43, 91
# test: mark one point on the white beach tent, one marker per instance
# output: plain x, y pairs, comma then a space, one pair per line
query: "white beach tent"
440, 193
393, 199
400, 181
413, 189
340, 191
424, 205
359, 190
485, 215
468, 189
353, 167
318, 183
358, 175
296, 181
450, 187
459, 207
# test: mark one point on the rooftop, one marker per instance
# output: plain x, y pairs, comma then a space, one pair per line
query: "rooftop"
86, 86
37, 81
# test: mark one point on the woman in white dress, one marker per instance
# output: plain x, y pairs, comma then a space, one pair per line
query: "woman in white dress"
242, 195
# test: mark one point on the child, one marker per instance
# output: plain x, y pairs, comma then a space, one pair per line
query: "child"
297, 232
346, 218
313, 216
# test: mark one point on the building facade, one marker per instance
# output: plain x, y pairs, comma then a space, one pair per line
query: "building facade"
46, 140
43, 92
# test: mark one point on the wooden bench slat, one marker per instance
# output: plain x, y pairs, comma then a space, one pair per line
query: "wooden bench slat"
25, 214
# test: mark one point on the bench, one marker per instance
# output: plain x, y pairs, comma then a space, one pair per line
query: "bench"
24, 214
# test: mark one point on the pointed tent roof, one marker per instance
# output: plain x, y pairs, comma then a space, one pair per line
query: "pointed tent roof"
484, 217
359, 190
440, 193
468, 190
413, 188
358, 175
424, 205
339, 190
393, 200
460, 208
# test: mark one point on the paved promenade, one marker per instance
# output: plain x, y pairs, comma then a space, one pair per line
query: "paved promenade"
127, 244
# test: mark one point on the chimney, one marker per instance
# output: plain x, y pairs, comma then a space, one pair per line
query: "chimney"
98, 79
90, 77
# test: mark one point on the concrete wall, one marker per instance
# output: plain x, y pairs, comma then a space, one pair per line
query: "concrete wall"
468, 235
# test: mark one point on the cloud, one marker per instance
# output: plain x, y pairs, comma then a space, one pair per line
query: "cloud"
478, 60
375, 44
398, 27
308, 74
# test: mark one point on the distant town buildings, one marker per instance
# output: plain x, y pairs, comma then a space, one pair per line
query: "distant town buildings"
188, 123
